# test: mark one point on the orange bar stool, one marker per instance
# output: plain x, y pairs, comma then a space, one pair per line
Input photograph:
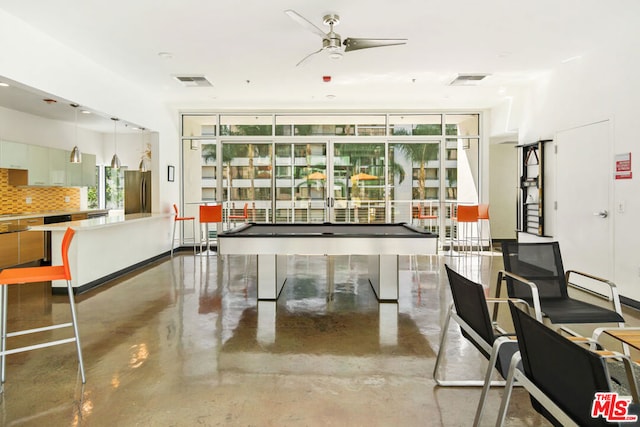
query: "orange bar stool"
177, 218
15, 276
244, 217
466, 216
483, 218
426, 213
209, 214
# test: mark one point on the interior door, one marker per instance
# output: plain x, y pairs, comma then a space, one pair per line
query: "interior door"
585, 199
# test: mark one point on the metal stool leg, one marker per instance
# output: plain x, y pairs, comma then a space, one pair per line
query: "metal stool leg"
173, 239
193, 224
3, 328
74, 320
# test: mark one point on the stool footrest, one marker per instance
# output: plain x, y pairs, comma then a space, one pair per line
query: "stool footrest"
37, 346
36, 330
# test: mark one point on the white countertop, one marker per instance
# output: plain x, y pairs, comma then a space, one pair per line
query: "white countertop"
100, 222
27, 215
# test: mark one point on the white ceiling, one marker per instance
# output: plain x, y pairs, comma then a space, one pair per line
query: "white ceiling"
249, 49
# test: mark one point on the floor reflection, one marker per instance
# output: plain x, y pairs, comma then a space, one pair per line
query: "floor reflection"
185, 342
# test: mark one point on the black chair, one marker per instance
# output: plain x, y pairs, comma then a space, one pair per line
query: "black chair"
470, 311
560, 375
534, 273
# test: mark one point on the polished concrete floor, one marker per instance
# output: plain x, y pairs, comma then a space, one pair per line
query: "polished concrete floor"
185, 343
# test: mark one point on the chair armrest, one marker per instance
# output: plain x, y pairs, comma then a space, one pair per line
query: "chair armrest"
628, 365
534, 291
614, 296
496, 301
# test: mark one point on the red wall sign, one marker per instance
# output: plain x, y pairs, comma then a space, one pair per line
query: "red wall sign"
623, 166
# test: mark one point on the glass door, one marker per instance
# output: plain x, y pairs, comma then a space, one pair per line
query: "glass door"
357, 179
301, 182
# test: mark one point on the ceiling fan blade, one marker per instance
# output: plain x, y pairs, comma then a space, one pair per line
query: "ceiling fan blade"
305, 23
356, 44
308, 56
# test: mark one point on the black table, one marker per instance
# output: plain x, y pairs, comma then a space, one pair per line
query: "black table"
382, 243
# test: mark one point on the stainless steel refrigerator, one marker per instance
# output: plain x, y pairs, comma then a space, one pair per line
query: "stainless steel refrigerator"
137, 192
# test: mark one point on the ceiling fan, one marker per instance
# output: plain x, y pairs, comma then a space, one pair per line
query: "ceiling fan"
331, 41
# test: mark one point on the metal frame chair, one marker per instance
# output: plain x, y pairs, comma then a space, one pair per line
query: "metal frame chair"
26, 275
209, 214
545, 357
244, 216
483, 217
466, 216
425, 213
534, 273
470, 311
177, 218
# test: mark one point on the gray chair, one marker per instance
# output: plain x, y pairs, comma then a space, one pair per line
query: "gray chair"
470, 311
562, 376
534, 273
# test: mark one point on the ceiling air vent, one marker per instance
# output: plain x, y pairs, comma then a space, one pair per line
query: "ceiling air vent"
193, 81
467, 79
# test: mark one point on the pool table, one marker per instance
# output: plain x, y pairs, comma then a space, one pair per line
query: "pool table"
382, 243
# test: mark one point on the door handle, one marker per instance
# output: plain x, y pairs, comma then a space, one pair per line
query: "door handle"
602, 214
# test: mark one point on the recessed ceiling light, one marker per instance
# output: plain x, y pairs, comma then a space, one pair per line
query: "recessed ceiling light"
85, 111
330, 96
3, 84
165, 55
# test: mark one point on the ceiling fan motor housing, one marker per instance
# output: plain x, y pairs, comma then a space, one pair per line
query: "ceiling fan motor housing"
332, 41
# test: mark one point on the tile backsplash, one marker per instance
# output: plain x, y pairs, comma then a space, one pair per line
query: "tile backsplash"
14, 199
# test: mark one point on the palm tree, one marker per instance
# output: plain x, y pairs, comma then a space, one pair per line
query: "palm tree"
419, 153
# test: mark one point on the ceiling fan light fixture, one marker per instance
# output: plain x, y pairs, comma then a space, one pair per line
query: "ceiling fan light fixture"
335, 54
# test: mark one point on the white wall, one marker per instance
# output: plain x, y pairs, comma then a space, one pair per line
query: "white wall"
601, 85
503, 190
35, 59
29, 129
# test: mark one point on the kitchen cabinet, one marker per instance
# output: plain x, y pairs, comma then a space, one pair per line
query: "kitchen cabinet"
44, 166
89, 170
81, 174
13, 155
9, 253
38, 165
31, 243
58, 160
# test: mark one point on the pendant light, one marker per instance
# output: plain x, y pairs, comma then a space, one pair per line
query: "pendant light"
75, 157
143, 157
115, 161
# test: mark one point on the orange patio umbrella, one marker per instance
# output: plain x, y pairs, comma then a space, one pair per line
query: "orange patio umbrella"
316, 176
363, 177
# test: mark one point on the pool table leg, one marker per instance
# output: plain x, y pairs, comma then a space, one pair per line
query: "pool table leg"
272, 273
383, 274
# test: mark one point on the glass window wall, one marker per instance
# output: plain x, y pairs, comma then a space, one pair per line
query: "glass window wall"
314, 167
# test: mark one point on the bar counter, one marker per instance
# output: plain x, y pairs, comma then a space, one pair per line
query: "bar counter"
106, 247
